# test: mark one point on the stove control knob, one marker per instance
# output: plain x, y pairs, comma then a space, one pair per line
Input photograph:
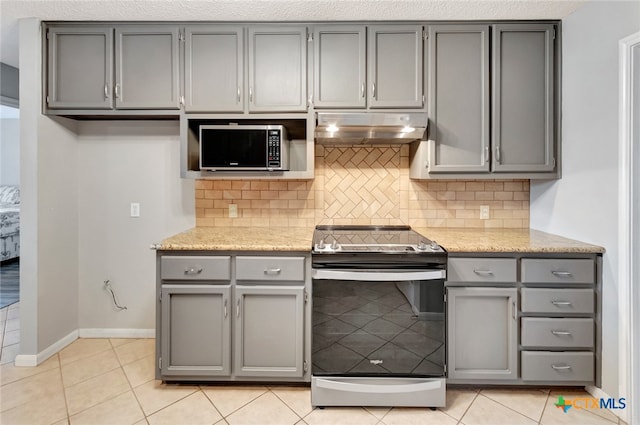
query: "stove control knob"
434, 246
321, 244
422, 246
334, 245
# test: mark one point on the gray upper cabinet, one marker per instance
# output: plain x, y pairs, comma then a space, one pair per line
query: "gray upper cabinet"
80, 67
269, 331
482, 333
523, 87
339, 67
277, 69
214, 68
458, 79
196, 330
395, 66
147, 59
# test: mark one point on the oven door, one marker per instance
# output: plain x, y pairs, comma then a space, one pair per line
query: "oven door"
378, 323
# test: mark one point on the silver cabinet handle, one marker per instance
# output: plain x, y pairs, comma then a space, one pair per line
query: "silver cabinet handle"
225, 307
514, 313
272, 272
483, 272
106, 90
250, 94
362, 90
561, 303
560, 367
117, 91
193, 270
486, 153
238, 308
561, 333
558, 273
498, 154
238, 94
374, 90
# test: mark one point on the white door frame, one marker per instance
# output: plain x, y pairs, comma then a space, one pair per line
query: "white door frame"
629, 228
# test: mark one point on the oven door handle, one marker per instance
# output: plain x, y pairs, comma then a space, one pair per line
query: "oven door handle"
378, 275
377, 388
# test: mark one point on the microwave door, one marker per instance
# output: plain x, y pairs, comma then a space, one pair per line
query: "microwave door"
233, 149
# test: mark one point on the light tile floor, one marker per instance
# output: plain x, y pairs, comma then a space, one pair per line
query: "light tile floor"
111, 381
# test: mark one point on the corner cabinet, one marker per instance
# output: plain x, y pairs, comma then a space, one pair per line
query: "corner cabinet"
121, 67
492, 110
228, 317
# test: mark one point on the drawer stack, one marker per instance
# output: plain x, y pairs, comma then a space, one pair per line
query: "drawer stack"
558, 329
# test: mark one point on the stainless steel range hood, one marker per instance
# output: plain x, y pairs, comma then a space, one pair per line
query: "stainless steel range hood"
370, 127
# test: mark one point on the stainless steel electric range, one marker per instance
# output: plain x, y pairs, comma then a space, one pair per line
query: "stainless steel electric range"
378, 317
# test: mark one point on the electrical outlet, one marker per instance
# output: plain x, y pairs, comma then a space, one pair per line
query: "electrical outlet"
135, 209
484, 212
233, 210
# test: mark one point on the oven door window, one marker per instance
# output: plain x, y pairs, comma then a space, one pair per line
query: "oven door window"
364, 328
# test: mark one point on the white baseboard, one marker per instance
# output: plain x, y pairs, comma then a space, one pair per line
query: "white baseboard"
598, 393
116, 333
36, 359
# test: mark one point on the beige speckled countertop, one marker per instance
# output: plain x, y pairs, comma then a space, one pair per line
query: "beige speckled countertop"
299, 239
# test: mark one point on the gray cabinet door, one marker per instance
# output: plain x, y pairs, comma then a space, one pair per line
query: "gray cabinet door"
214, 66
269, 331
395, 66
277, 69
196, 330
339, 67
458, 93
80, 67
482, 333
147, 61
523, 87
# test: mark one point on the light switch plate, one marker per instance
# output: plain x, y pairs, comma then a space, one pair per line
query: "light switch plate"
135, 209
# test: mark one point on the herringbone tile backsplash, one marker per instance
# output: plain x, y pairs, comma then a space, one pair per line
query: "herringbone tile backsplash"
363, 185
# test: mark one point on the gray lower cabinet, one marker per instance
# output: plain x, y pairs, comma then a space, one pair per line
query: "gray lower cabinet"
277, 69
214, 68
482, 333
228, 317
269, 331
196, 330
107, 67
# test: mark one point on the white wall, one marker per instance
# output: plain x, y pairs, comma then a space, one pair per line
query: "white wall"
121, 162
9, 151
583, 204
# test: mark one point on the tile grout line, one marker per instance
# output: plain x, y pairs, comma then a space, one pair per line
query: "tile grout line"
135, 396
468, 407
520, 413
288, 407
545, 407
212, 403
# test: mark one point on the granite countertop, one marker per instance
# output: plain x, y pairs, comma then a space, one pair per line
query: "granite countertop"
505, 240
240, 239
299, 239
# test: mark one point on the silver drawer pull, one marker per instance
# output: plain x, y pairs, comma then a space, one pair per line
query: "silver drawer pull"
225, 307
558, 273
561, 303
560, 367
561, 333
193, 270
272, 272
483, 272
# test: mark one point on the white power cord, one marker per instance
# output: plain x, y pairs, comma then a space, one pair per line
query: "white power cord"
107, 286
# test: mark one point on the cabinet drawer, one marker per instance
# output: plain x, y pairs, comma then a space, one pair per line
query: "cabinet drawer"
558, 270
195, 268
270, 268
565, 333
550, 366
482, 270
544, 300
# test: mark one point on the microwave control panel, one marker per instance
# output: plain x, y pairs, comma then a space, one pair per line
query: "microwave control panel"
273, 148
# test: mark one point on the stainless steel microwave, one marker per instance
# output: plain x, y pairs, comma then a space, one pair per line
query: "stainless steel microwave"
244, 147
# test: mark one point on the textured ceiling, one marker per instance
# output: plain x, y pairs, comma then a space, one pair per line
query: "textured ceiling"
267, 10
